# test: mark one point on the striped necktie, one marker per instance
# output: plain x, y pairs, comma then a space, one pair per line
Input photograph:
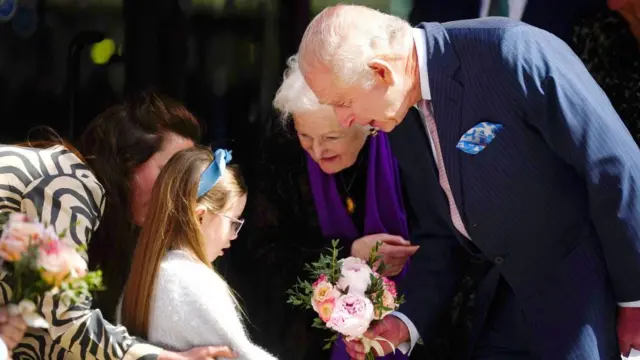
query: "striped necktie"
499, 8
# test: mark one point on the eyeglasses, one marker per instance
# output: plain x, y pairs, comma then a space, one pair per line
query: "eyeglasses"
236, 224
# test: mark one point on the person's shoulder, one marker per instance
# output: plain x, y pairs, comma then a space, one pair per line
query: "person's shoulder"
53, 160
486, 24
14, 153
499, 30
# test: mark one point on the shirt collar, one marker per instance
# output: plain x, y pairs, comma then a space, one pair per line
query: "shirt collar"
420, 41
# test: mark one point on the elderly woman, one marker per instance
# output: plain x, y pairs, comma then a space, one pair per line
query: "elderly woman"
353, 179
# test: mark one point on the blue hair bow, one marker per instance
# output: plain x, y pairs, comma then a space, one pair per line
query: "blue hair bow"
211, 174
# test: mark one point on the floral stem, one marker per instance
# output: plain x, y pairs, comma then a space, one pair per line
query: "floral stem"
18, 294
370, 355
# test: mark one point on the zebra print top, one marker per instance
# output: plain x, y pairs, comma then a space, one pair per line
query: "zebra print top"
57, 187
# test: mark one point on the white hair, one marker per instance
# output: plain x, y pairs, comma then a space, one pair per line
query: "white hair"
345, 38
294, 95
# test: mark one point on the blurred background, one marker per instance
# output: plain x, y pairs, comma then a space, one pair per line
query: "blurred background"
64, 61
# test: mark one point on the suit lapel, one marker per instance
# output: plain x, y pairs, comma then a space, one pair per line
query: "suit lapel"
442, 66
411, 147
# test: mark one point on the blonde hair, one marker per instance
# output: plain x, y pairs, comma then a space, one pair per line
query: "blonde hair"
345, 38
171, 223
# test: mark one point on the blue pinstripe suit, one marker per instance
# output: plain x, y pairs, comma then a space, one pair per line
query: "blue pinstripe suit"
553, 200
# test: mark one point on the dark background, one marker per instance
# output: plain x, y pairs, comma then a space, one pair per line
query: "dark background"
224, 60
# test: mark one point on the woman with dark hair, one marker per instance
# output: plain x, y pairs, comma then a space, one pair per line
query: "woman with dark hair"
125, 148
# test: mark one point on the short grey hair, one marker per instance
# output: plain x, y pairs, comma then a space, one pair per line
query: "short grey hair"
345, 38
294, 95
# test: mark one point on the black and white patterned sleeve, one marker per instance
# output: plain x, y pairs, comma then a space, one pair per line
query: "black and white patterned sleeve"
54, 185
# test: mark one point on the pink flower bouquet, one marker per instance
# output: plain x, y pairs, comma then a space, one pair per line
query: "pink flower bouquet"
347, 295
36, 260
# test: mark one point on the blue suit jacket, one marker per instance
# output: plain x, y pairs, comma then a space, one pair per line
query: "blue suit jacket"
553, 200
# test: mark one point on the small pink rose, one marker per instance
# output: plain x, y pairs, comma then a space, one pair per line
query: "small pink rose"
19, 232
59, 261
389, 304
325, 309
322, 278
323, 291
390, 286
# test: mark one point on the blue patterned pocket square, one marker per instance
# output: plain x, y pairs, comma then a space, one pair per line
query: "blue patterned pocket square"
478, 137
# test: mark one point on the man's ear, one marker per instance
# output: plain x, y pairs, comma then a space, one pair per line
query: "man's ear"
383, 72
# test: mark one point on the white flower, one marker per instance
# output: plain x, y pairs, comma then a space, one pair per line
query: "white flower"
28, 310
355, 275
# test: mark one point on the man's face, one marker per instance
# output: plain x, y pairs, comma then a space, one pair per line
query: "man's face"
378, 106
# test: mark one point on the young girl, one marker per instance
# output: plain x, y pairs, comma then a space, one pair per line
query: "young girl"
173, 297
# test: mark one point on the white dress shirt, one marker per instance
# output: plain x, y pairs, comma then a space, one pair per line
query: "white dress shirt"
419, 38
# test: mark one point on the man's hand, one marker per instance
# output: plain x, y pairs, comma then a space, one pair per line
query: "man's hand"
395, 251
12, 328
201, 353
628, 329
390, 328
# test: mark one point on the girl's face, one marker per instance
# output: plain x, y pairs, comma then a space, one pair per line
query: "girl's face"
219, 229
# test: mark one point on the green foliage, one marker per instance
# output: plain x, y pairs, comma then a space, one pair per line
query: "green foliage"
328, 265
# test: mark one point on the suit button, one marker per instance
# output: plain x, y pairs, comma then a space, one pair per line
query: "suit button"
498, 260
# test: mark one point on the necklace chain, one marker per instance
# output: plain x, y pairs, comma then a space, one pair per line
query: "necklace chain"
346, 188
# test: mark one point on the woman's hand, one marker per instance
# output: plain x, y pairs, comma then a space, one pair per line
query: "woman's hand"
200, 353
12, 328
395, 251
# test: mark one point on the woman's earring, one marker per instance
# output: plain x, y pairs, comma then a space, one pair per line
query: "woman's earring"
373, 131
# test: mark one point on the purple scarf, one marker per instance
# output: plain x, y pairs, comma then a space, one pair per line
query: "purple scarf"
384, 208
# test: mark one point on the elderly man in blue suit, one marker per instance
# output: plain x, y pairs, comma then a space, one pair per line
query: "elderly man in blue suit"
520, 159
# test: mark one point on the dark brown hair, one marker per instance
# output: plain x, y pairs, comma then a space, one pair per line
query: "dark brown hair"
114, 144
50, 138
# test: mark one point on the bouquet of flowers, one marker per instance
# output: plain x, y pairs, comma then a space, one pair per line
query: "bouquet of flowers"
39, 261
347, 294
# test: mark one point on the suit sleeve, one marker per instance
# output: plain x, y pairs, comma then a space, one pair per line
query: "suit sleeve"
575, 117
436, 268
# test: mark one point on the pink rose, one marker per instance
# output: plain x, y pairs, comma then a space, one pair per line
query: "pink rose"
59, 261
323, 291
351, 315
355, 275
325, 309
322, 278
19, 231
389, 304
77, 265
390, 286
